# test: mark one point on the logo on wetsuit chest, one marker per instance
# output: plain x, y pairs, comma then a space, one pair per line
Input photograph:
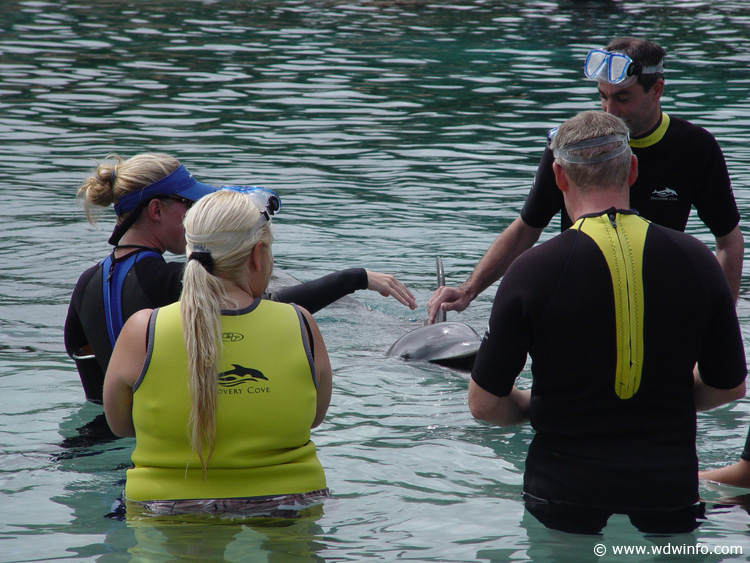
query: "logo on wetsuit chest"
666, 194
232, 336
229, 380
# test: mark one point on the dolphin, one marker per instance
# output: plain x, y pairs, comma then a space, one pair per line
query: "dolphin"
450, 344
238, 375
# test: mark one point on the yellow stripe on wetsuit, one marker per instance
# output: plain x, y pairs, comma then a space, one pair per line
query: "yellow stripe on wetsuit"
621, 242
654, 137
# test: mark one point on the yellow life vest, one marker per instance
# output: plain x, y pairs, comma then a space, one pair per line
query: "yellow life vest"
265, 406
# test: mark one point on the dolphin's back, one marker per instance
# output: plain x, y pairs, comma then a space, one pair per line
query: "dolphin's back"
447, 343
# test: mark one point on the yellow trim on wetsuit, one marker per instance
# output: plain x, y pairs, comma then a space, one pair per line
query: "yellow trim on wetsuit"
622, 241
654, 137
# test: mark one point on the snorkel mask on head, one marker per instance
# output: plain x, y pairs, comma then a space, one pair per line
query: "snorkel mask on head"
266, 201
615, 68
564, 152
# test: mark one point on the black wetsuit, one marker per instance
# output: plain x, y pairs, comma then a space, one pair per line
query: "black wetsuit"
610, 437
680, 165
153, 282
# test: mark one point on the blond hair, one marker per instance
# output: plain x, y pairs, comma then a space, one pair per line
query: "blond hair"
227, 225
113, 180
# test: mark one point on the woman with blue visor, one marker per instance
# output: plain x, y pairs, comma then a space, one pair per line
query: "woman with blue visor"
151, 193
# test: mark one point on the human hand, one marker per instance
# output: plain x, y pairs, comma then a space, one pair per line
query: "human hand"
447, 299
388, 286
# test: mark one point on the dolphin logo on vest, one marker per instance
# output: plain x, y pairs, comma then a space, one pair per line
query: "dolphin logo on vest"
238, 375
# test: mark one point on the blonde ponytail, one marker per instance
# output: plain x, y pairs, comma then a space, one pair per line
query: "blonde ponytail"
215, 219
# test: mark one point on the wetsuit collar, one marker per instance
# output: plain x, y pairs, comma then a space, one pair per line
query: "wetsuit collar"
137, 247
611, 211
654, 136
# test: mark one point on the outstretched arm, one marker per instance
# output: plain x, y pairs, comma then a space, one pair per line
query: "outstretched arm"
513, 241
317, 294
388, 286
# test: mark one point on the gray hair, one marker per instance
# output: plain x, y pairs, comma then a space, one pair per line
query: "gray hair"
595, 165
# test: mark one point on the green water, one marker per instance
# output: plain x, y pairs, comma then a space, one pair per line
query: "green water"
394, 132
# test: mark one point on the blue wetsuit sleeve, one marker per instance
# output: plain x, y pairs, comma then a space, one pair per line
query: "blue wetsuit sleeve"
317, 294
73, 333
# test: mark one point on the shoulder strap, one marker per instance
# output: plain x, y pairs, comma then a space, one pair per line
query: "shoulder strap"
114, 272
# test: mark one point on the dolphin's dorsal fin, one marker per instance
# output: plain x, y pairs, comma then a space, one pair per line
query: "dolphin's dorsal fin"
440, 283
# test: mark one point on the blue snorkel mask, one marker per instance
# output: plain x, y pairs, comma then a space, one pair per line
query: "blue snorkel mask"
267, 201
615, 68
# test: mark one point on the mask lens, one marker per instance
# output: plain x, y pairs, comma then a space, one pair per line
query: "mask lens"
594, 61
618, 67
604, 65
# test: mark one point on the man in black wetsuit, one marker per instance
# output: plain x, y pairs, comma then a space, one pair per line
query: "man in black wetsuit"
615, 312
680, 166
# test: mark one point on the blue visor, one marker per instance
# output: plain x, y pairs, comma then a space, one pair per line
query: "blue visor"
180, 182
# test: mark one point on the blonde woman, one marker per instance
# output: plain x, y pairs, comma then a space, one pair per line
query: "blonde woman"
222, 388
151, 193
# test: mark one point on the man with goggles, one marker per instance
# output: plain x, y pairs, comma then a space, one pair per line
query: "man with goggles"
680, 166
616, 68
151, 193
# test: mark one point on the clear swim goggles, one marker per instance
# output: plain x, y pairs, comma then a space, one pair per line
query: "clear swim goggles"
564, 152
267, 201
615, 68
